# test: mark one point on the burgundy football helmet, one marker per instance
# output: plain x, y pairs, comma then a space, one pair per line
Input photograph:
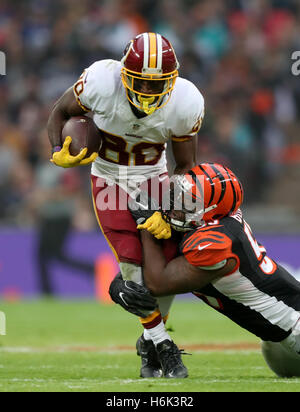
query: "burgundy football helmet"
149, 57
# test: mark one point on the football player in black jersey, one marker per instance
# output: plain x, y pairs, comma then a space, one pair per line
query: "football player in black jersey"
222, 263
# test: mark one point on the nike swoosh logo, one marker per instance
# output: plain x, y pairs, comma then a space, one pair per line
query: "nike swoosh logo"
121, 296
203, 247
127, 286
142, 206
162, 178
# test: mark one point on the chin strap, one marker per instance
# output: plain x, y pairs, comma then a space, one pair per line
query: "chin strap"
145, 101
180, 226
191, 223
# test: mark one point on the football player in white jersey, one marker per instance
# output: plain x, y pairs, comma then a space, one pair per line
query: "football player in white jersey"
222, 263
139, 104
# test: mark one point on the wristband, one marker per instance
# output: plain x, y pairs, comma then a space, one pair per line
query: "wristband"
56, 149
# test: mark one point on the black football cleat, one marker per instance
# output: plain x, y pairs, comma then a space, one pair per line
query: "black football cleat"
150, 364
170, 359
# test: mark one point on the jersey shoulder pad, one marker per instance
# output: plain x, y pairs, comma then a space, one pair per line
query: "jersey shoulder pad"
188, 109
207, 247
98, 81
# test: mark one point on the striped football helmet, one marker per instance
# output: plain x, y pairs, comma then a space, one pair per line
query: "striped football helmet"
207, 192
149, 57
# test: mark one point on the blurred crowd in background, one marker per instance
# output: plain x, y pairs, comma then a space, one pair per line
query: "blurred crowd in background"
237, 52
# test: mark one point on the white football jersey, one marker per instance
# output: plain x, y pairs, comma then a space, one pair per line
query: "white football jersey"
134, 148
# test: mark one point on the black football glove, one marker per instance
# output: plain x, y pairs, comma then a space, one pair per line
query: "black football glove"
132, 297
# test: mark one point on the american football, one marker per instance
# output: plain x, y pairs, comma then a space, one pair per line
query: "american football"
84, 133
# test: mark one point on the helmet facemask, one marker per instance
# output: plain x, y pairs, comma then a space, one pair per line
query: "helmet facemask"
160, 93
186, 205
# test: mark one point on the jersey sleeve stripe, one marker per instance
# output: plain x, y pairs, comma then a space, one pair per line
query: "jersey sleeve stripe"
194, 236
217, 235
86, 109
210, 229
199, 242
195, 240
207, 248
210, 239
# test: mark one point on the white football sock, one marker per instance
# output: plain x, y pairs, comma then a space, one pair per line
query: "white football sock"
147, 335
157, 334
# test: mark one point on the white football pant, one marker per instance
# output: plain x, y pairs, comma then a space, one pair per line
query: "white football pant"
283, 357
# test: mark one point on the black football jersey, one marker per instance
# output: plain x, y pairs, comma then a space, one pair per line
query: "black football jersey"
259, 295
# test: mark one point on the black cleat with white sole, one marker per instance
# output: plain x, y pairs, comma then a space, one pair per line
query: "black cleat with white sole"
150, 364
170, 358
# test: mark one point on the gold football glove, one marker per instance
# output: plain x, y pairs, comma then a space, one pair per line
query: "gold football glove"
63, 158
157, 226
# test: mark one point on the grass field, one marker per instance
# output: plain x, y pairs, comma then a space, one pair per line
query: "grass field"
82, 346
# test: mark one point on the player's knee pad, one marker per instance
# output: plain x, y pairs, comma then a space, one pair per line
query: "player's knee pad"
130, 271
283, 362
